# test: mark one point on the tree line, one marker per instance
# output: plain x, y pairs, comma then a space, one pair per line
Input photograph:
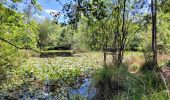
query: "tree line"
102, 25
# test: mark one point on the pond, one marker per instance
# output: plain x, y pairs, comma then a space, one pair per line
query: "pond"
85, 90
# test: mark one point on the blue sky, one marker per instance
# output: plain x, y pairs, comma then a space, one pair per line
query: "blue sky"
51, 5
47, 7
54, 6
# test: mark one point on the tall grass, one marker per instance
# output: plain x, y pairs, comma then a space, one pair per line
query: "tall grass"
115, 83
109, 82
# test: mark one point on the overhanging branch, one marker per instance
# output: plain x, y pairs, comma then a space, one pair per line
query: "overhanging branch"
17, 47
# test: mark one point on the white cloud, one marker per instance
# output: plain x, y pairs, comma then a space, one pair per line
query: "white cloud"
48, 11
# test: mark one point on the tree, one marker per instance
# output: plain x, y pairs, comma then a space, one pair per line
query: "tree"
154, 32
101, 13
15, 34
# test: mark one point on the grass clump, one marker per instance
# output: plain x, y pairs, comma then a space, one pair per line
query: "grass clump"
109, 82
145, 86
117, 83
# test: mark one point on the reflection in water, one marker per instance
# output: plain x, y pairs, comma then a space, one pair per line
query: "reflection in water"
85, 90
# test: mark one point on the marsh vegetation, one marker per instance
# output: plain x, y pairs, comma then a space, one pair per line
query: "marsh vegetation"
90, 50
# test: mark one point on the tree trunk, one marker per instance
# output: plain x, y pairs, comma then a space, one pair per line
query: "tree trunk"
116, 34
104, 57
123, 38
105, 51
120, 57
154, 33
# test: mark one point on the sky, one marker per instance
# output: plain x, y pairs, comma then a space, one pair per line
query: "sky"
48, 6
51, 6
55, 6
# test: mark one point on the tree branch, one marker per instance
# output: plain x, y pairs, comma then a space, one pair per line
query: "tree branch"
17, 47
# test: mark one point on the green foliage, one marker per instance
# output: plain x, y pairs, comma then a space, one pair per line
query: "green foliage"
94, 9
146, 86
45, 30
66, 36
32, 2
136, 44
52, 35
165, 4
81, 44
16, 1
15, 32
163, 33
165, 63
99, 24
141, 41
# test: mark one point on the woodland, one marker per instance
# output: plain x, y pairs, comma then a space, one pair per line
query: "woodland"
101, 50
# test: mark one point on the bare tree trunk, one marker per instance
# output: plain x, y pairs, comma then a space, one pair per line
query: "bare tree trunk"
154, 33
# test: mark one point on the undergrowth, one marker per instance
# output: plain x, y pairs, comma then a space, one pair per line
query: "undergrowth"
116, 83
